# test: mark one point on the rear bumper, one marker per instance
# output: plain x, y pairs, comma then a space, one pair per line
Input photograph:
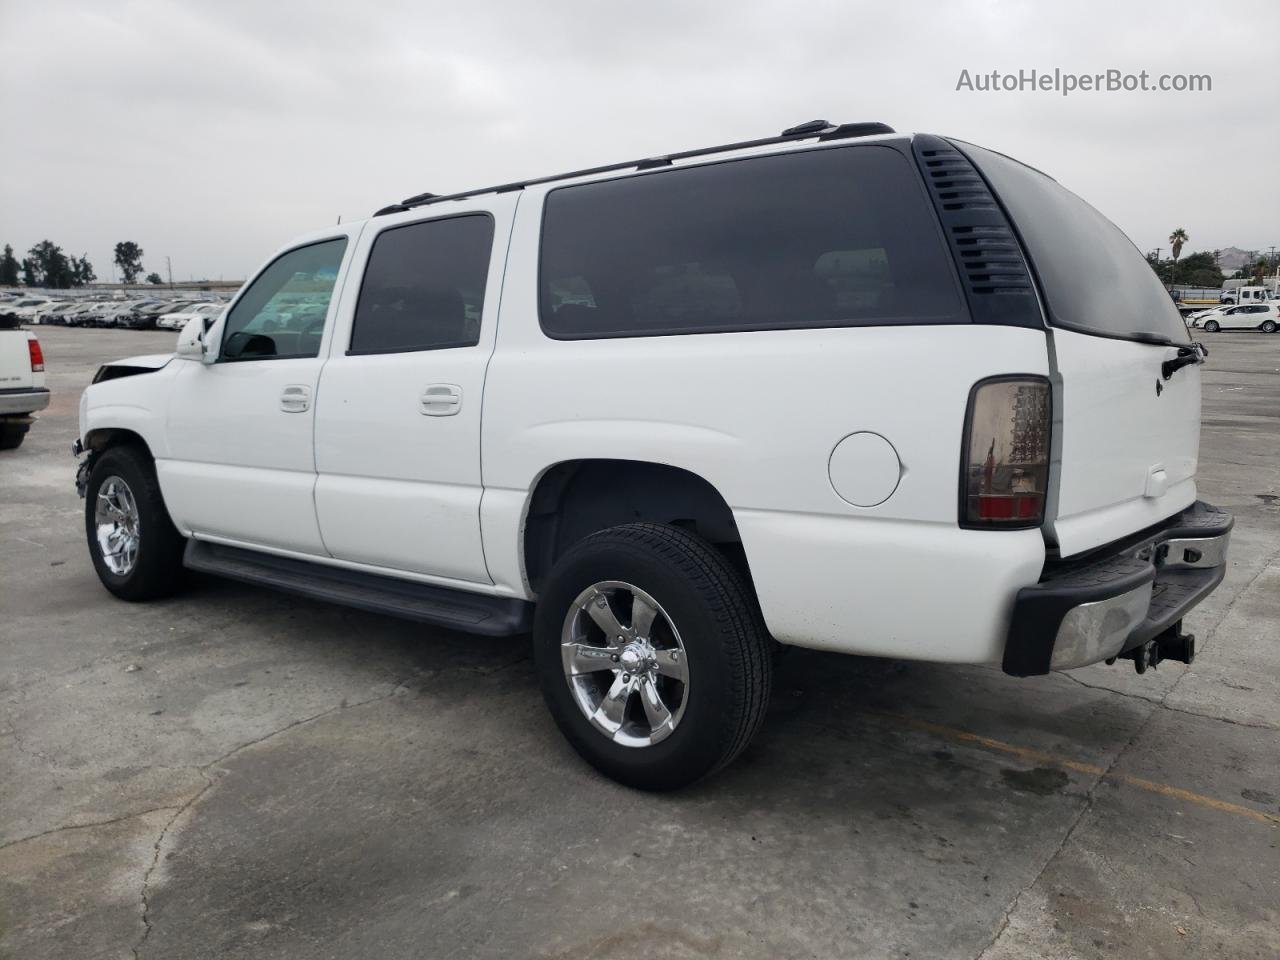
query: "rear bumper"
1120, 596
24, 400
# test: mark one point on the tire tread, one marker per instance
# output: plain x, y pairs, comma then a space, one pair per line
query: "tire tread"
732, 604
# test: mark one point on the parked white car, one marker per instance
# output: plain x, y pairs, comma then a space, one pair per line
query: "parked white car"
55, 312
22, 385
26, 309
803, 392
1247, 316
178, 319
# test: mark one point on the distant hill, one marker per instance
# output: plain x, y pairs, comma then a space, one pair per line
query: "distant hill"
1232, 259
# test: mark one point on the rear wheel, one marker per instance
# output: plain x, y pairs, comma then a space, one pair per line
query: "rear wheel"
1211, 326
652, 655
136, 550
12, 434
1268, 326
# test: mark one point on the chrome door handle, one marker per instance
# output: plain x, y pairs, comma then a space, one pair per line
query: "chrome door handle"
296, 398
440, 400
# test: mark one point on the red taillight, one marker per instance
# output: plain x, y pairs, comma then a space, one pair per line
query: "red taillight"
37, 356
1005, 470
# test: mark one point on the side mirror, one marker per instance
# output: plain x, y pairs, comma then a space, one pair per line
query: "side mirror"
211, 336
191, 340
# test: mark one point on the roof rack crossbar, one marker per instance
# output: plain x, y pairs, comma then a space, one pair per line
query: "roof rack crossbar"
806, 131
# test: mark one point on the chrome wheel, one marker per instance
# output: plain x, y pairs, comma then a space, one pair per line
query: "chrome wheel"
625, 664
119, 530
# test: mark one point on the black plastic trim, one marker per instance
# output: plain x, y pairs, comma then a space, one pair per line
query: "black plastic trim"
14, 391
426, 603
1110, 571
805, 131
988, 253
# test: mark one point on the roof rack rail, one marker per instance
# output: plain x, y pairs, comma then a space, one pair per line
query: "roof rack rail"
805, 131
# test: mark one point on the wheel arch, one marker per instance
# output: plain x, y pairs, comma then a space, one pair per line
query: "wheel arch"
573, 499
99, 439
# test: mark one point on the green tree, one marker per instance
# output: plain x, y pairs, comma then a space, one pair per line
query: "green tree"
8, 268
154, 278
129, 260
1176, 241
82, 272
1200, 270
29, 275
51, 264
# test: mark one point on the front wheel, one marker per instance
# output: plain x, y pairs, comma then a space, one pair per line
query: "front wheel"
1268, 326
652, 655
1211, 326
136, 550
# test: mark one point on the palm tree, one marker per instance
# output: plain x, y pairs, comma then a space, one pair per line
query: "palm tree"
1176, 240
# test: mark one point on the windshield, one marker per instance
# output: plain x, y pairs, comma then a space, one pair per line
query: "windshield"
1094, 279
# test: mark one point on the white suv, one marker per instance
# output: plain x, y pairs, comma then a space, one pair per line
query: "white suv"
840, 389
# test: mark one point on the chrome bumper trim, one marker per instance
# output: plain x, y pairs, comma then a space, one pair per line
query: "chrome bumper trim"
1098, 630
1195, 552
28, 401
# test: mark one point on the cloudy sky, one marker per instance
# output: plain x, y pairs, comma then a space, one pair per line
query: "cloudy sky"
213, 130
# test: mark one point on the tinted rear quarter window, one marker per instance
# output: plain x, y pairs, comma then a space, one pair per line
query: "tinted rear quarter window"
423, 288
823, 238
1093, 278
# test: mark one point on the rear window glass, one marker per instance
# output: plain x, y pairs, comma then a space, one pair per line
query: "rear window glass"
834, 237
1094, 278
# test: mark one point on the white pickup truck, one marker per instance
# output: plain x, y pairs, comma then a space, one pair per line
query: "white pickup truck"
22, 389
839, 388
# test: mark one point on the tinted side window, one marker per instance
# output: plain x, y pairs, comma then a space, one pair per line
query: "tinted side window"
1094, 278
424, 286
281, 315
824, 238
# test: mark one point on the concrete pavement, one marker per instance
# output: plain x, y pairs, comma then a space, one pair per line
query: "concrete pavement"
237, 773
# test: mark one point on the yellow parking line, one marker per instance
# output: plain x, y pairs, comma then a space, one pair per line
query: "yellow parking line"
1039, 756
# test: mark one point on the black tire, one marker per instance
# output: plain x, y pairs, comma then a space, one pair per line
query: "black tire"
727, 649
157, 570
1211, 326
1268, 326
12, 434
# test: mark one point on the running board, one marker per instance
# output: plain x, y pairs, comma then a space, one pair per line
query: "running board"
442, 606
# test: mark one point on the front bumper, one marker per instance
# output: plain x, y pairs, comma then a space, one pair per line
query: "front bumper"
23, 400
1119, 597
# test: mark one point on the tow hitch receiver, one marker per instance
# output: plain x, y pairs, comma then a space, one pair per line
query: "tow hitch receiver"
1172, 644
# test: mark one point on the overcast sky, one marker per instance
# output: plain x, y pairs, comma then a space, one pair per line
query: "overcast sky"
212, 131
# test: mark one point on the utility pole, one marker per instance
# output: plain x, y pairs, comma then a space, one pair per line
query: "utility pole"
169, 266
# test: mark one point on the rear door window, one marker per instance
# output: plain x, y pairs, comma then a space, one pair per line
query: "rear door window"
824, 238
1093, 278
424, 286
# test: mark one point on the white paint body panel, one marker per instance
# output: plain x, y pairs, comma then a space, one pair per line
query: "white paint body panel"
1116, 431
15, 361
397, 487
238, 465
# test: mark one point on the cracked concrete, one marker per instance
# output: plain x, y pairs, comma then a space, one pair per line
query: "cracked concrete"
289, 779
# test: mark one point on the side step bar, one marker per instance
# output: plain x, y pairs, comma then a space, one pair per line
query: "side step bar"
442, 606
